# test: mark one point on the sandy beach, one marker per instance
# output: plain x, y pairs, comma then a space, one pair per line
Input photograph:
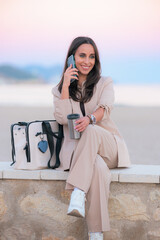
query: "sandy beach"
136, 112
138, 125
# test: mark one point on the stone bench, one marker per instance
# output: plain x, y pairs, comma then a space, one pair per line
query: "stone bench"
33, 205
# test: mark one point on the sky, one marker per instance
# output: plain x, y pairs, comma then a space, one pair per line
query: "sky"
127, 34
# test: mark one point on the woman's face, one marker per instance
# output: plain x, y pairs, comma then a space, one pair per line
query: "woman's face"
85, 58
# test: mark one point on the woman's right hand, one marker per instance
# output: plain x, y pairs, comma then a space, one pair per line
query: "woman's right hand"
69, 74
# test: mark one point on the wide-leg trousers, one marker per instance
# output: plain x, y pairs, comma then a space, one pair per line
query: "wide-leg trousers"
95, 153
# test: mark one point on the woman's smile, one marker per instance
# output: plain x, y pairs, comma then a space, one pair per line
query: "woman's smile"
85, 67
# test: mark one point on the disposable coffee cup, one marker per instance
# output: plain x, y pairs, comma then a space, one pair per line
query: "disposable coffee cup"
71, 124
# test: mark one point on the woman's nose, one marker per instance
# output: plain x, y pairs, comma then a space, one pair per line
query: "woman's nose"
86, 60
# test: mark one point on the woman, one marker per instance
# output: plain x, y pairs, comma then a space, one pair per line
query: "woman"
100, 147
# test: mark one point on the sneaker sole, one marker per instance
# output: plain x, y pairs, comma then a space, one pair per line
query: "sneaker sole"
75, 213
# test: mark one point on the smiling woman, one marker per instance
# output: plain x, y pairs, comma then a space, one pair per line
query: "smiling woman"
100, 146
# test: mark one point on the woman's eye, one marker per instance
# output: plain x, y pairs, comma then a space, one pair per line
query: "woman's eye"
81, 55
92, 56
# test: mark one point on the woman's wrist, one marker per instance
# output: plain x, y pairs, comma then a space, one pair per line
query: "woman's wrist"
92, 119
65, 92
65, 86
88, 119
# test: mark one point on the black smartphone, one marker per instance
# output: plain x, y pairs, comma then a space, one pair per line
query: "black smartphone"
70, 61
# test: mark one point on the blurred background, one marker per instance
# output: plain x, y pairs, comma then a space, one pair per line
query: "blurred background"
34, 39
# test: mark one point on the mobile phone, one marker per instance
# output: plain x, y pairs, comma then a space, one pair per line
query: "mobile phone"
70, 61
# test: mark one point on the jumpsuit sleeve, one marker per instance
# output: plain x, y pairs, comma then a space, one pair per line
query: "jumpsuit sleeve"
106, 99
62, 107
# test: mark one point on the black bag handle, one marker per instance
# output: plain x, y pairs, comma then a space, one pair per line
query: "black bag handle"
47, 129
13, 147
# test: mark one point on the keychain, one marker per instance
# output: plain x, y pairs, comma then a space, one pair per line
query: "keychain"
42, 145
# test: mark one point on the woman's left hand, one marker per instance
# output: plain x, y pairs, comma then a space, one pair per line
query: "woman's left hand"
82, 123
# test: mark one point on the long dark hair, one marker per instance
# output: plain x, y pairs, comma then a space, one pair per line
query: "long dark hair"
93, 76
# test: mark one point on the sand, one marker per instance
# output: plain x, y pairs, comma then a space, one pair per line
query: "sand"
140, 127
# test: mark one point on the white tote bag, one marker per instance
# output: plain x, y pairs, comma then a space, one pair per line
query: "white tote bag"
36, 145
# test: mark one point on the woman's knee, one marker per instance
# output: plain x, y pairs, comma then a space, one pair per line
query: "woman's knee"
91, 130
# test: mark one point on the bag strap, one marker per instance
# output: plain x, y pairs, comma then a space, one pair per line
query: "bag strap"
13, 147
58, 147
47, 129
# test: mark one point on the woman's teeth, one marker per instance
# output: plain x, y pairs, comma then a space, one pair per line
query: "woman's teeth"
86, 68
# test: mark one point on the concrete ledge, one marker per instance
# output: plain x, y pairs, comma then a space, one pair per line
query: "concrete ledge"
33, 208
140, 174
134, 174
48, 174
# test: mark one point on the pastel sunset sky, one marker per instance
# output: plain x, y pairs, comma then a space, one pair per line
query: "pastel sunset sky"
127, 33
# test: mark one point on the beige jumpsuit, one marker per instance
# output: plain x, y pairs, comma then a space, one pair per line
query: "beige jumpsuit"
100, 147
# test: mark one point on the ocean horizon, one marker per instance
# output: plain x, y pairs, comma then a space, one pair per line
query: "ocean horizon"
128, 70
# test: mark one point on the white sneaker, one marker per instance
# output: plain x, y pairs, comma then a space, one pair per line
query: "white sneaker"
77, 204
95, 236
